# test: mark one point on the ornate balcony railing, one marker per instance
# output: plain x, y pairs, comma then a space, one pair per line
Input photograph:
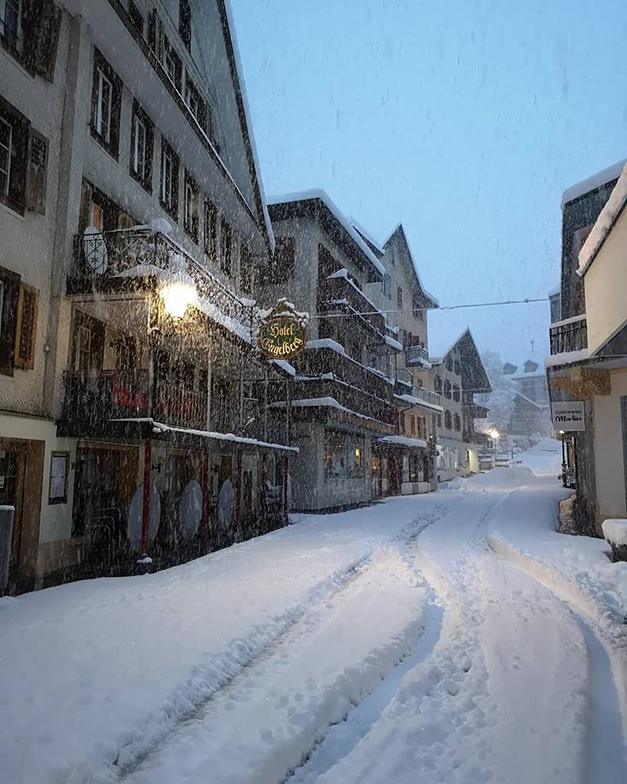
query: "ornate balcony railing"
416, 355
94, 398
568, 335
142, 258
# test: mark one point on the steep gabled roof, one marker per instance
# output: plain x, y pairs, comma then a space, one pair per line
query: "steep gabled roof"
473, 373
398, 235
604, 223
235, 66
592, 183
317, 202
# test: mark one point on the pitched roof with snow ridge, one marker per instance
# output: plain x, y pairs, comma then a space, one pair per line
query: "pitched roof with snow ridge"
291, 203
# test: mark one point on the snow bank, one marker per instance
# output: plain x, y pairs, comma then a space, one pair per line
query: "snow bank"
615, 531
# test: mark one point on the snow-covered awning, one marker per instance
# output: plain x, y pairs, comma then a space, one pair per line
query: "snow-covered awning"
406, 441
160, 428
416, 401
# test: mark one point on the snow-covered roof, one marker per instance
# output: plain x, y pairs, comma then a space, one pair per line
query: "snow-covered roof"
604, 223
321, 195
285, 366
413, 443
566, 358
248, 128
554, 292
392, 343
400, 231
321, 402
367, 236
417, 401
595, 181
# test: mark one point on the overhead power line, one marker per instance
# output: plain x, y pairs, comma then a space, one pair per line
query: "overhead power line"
525, 301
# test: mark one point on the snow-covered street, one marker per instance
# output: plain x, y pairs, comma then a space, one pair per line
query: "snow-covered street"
448, 637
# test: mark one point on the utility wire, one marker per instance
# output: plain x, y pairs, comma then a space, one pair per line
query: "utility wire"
525, 301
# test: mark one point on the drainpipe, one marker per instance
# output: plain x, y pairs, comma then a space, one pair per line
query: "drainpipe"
146, 496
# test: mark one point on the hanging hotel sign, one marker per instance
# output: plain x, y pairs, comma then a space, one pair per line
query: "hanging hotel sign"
283, 331
568, 416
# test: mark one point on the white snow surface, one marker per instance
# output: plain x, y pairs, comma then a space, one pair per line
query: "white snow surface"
615, 531
414, 443
448, 637
566, 358
594, 181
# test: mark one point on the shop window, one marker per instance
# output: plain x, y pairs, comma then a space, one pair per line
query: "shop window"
106, 100
59, 470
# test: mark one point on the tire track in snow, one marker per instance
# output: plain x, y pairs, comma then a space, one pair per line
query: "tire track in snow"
208, 682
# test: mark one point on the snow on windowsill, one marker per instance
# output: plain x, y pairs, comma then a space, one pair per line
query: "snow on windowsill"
566, 358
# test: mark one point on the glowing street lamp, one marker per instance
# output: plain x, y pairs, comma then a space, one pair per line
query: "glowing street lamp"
177, 296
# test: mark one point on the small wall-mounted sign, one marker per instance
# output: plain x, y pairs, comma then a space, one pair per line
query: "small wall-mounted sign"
283, 331
569, 416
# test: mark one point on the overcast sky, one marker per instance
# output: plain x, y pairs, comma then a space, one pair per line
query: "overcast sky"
463, 120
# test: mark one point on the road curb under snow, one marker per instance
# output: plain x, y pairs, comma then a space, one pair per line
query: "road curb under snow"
574, 587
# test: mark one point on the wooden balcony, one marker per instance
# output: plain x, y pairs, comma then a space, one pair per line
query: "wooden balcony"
356, 400
569, 335
417, 355
314, 362
341, 294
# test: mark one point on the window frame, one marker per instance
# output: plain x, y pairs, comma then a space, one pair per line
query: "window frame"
66, 474
144, 178
191, 222
9, 152
171, 203
103, 72
210, 230
226, 248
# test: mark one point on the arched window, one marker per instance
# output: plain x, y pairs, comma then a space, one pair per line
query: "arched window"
457, 422
437, 383
447, 420
456, 393
447, 389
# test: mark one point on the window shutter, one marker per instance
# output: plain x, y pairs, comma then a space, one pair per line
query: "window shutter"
152, 31
11, 291
36, 177
19, 155
41, 24
26, 328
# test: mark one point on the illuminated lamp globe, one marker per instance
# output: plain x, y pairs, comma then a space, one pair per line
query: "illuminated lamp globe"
177, 295
494, 434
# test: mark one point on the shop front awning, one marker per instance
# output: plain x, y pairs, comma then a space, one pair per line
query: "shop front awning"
146, 427
403, 441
